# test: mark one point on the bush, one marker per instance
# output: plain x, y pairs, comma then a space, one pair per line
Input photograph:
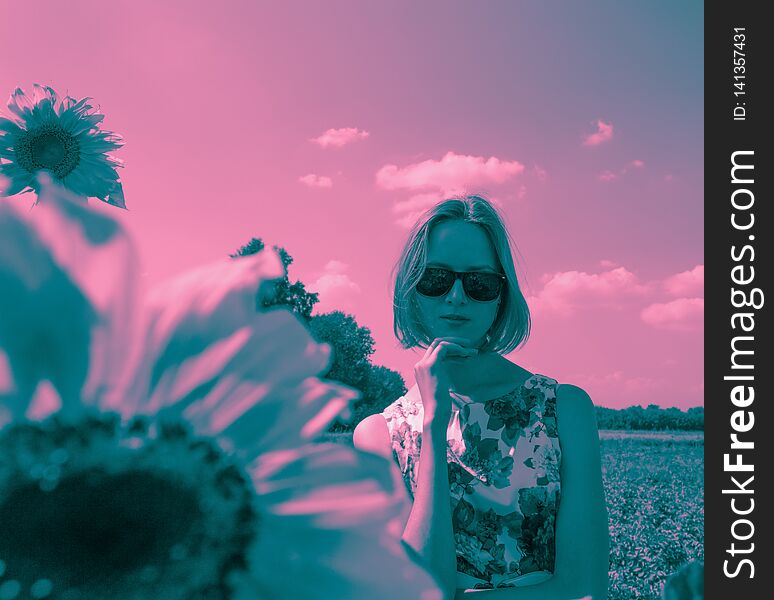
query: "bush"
652, 418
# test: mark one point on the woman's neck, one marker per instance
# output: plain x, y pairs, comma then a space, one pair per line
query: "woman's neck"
486, 376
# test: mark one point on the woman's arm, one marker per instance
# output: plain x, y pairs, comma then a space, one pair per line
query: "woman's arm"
429, 528
582, 546
428, 532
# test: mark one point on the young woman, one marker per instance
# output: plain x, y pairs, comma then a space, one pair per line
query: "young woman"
502, 464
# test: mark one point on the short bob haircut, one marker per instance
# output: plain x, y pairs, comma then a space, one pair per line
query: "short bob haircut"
511, 327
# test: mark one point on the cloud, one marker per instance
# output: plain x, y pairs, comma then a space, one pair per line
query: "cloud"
316, 181
339, 137
608, 175
566, 292
682, 314
452, 174
687, 283
334, 286
540, 172
604, 133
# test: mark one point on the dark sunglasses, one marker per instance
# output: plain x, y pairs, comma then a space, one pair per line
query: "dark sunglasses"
481, 286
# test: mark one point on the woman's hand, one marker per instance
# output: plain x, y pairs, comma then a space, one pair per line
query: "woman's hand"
432, 377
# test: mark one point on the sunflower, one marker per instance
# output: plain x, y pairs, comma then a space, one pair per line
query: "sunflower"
180, 465
62, 137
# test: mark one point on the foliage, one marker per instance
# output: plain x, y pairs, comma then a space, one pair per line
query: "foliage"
652, 418
384, 386
655, 500
284, 293
353, 346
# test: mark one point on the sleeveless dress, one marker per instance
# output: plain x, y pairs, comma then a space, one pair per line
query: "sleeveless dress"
503, 458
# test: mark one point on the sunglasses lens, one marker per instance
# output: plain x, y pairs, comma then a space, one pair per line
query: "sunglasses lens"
483, 287
435, 282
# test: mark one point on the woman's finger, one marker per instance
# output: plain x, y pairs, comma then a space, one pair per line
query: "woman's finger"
455, 340
434, 344
445, 349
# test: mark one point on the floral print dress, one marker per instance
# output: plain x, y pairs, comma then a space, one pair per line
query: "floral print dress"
503, 457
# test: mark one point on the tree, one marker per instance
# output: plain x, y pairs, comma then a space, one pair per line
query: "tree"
383, 387
284, 293
652, 418
352, 345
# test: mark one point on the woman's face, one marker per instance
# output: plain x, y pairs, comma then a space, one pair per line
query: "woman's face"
459, 246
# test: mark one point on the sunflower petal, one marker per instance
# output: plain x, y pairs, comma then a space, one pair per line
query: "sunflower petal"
99, 143
20, 104
6, 125
78, 183
256, 418
187, 315
42, 112
96, 178
86, 123
340, 515
317, 403
65, 311
65, 105
81, 105
211, 357
43, 93
13, 179
116, 196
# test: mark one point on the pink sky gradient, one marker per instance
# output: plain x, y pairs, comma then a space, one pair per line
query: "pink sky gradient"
327, 127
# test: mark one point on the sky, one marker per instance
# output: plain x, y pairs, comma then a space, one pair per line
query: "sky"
327, 128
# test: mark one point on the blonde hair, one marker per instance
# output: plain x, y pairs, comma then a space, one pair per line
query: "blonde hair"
512, 324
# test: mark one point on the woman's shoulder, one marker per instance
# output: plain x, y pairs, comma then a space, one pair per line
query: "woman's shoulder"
373, 435
574, 401
570, 400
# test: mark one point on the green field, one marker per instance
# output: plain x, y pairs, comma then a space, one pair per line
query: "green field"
654, 484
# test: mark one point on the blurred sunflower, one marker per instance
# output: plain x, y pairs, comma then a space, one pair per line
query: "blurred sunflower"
62, 137
176, 466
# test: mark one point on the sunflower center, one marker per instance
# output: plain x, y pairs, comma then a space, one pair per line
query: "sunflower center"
101, 509
49, 150
94, 526
48, 146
